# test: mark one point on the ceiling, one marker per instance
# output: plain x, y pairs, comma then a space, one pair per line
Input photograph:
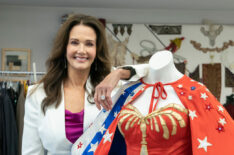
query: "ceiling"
214, 5
165, 11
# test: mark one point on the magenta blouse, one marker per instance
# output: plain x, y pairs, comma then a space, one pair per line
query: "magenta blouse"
74, 125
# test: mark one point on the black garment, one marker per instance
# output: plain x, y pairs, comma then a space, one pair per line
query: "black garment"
118, 146
229, 105
229, 78
180, 67
195, 74
20, 117
13, 95
8, 128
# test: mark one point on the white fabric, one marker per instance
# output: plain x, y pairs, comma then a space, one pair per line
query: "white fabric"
48, 131
141, 71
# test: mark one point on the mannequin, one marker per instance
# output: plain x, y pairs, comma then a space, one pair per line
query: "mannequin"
161, 69
185, 118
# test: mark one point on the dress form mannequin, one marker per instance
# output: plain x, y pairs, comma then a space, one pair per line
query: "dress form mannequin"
161, 69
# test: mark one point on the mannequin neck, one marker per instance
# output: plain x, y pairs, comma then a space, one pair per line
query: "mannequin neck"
162, 69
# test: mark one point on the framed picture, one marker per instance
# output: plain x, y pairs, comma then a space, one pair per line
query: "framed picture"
16, 59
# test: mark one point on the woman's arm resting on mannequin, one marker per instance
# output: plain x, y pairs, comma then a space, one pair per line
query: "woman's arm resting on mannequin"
131, 73
107, 85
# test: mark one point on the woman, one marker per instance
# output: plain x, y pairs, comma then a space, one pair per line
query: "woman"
60, 107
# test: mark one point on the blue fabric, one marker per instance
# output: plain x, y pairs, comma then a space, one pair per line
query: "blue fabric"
111, 117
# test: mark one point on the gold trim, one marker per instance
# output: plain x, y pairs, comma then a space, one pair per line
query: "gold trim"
133, 115
174, 125
156, 124
164, 126
128, 123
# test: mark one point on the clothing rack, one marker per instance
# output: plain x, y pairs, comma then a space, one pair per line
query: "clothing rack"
23, 73
18, 72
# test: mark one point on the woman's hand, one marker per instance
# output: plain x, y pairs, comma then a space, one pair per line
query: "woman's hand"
102, 96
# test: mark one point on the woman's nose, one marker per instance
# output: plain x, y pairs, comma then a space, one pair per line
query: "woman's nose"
81, 48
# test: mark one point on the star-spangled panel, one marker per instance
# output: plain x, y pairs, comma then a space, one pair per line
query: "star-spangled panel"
220, 108
103, 130
204, 96
107, 136
203, 144
222, 121
93, 147
192, 114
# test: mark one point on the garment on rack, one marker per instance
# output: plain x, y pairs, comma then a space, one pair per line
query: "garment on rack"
202, 123
229, 105
195, 74
229, 78
20, 117
9, 135
180, 67
13, 95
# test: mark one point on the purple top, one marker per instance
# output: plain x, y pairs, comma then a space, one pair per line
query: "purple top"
74, 125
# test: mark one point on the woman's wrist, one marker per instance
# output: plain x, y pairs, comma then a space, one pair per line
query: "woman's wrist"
126, 72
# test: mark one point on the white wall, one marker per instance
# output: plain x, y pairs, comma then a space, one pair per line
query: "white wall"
192, 55
35, 28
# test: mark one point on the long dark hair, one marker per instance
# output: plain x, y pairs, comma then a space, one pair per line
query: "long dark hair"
56, 71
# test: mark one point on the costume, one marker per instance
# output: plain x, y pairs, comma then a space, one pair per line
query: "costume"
202, 126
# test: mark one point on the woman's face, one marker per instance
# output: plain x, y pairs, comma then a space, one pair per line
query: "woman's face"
81, 48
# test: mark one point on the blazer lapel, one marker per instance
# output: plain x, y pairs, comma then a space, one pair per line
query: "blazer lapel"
90, 109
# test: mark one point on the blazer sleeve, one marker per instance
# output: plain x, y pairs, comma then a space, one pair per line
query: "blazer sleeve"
31, 143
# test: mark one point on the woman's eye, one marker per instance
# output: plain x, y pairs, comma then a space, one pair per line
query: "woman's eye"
74, 42
90, 44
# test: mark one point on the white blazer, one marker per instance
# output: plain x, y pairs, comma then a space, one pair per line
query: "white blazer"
46, 133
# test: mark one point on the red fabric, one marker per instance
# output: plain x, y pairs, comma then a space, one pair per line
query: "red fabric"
204, 126
161, 94
104, 149
209, 130
156, 143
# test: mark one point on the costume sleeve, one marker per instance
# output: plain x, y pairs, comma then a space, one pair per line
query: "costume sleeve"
141, 71
31, 143
212, 128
